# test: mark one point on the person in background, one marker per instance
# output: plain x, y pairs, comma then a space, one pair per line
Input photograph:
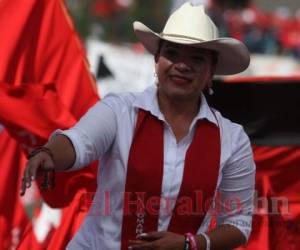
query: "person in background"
170, 164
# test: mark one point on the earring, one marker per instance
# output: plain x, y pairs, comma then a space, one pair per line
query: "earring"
210, 91
155, 74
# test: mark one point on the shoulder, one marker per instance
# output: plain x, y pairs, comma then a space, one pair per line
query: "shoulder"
120, 101
131, 101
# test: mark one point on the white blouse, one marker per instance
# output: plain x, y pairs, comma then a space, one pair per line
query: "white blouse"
106, 132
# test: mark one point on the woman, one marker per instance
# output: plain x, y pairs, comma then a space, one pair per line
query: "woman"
169, 162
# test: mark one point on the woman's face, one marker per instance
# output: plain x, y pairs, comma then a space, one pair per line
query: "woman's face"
183, 71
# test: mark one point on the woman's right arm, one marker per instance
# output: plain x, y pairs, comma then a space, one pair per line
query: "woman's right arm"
85, 142
61, 158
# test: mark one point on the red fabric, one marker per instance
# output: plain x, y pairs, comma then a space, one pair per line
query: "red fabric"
201, 172
41, 48
42, 111
143, 159
44, 80
30, 241
12, 213
73, 216
269, 228
58, 237
106, 8
262, 79
45, 84
277, 178
145, 173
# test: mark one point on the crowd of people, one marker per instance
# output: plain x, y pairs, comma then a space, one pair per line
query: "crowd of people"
263, 32
275, 32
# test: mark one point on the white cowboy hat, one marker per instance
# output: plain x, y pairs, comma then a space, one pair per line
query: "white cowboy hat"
189, 25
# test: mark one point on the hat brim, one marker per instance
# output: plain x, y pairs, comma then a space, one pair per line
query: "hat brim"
233, 56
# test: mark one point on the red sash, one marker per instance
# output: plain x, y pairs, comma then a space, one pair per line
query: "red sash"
145, 173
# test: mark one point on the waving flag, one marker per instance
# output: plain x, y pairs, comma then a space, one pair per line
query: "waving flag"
13, 218
45, 84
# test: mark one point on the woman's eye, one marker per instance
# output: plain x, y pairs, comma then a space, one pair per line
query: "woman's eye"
170, 53
198, 59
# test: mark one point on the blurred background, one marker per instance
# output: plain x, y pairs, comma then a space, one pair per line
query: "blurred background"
269, 27
270, 30
44, 78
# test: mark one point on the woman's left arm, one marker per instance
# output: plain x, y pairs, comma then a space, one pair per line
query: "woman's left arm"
234, 200
224, 237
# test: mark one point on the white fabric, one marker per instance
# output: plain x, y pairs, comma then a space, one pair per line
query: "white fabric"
106, 131
177, 3
207, 240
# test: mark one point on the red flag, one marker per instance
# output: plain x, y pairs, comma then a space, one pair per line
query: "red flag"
53, 228
12, 212
44, 80
45, 84
278, 181
269, 228
39, 233
72, 216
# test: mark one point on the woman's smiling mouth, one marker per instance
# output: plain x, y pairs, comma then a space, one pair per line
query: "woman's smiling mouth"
179, 79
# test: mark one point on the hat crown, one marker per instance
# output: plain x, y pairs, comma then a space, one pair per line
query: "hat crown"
190, 22
189, 25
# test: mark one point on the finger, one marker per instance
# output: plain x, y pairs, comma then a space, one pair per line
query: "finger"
23, 187
143, 246
33, 167
135, 242
151, 235
29, 174
25, 180
28, 177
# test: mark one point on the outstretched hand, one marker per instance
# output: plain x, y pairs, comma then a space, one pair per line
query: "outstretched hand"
158, 241
38, 164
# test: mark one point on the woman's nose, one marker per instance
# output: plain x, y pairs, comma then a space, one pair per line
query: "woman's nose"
182, 66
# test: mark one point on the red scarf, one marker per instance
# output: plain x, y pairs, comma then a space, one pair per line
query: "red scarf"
145, 173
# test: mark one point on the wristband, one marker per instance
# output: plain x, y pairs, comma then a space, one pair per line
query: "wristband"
192, 241
49, 176
207, 239
38, 150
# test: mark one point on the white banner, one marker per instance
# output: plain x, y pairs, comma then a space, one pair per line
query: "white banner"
130, 70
